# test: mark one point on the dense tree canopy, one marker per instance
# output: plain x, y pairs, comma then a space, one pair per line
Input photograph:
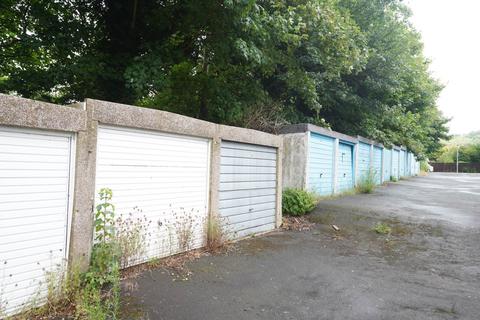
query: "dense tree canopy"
468, 146
354, 65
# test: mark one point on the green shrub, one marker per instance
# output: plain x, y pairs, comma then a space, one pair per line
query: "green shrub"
424, 166
297, 202
367, 182
393, 179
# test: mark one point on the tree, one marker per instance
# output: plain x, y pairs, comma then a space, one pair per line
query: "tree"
354, 65
393, 98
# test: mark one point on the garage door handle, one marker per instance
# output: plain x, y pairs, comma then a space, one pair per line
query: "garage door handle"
321, 174
250, 210
344, 175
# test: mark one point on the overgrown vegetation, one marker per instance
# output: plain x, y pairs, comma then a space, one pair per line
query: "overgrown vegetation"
298, 202
393, 179
100, 294
62, 295
185, 224
382, 228
90, 295
367, 184
424, 167
216, 236
354, 65
121, 242
131, 236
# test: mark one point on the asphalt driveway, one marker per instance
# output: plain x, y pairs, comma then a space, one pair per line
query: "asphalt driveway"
427, 268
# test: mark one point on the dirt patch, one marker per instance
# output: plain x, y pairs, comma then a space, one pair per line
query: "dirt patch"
131, 308
176, 265
257, 245
296, 224
323, 218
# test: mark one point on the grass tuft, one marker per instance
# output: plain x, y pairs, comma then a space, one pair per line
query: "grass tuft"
367, 182
216, 236
382, 228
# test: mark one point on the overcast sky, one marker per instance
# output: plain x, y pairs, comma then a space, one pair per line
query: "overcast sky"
451, 33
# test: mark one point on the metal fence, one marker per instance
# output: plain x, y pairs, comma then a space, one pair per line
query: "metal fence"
452, 167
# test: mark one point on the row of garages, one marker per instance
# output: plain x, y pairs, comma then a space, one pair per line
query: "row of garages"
168, 172
327, 162
165, 170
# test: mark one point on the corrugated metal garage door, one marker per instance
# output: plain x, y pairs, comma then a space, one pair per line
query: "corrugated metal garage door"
406, 164
248, 188
363, 160
377, 164
320, 164
410, 164
159, 178
345, 167
395, 163
35, 183
401, 168
413, 165
387, 164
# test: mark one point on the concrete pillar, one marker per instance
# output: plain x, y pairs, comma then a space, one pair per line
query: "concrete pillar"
355, 164
371, 156
307, 162
392, 152
215, 148
383, 166
335, 164
278, 211
295, 160
81, 237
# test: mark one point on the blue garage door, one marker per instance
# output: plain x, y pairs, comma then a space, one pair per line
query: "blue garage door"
345, 167
411, 164
363, 160
320, 164
402, 163
407, 164
395, 160
377, 164
387, 164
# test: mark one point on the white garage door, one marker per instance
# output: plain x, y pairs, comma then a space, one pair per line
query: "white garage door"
35, 183
159, 181
247, 188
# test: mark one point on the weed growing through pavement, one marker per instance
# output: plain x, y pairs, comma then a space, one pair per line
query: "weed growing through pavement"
382, 228
216, 235
132, 237
94, 294
100, 296
367, 182
63, 296
177, 231
185, 226
121, 242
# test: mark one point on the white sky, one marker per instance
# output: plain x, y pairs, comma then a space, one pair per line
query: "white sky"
451, 33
